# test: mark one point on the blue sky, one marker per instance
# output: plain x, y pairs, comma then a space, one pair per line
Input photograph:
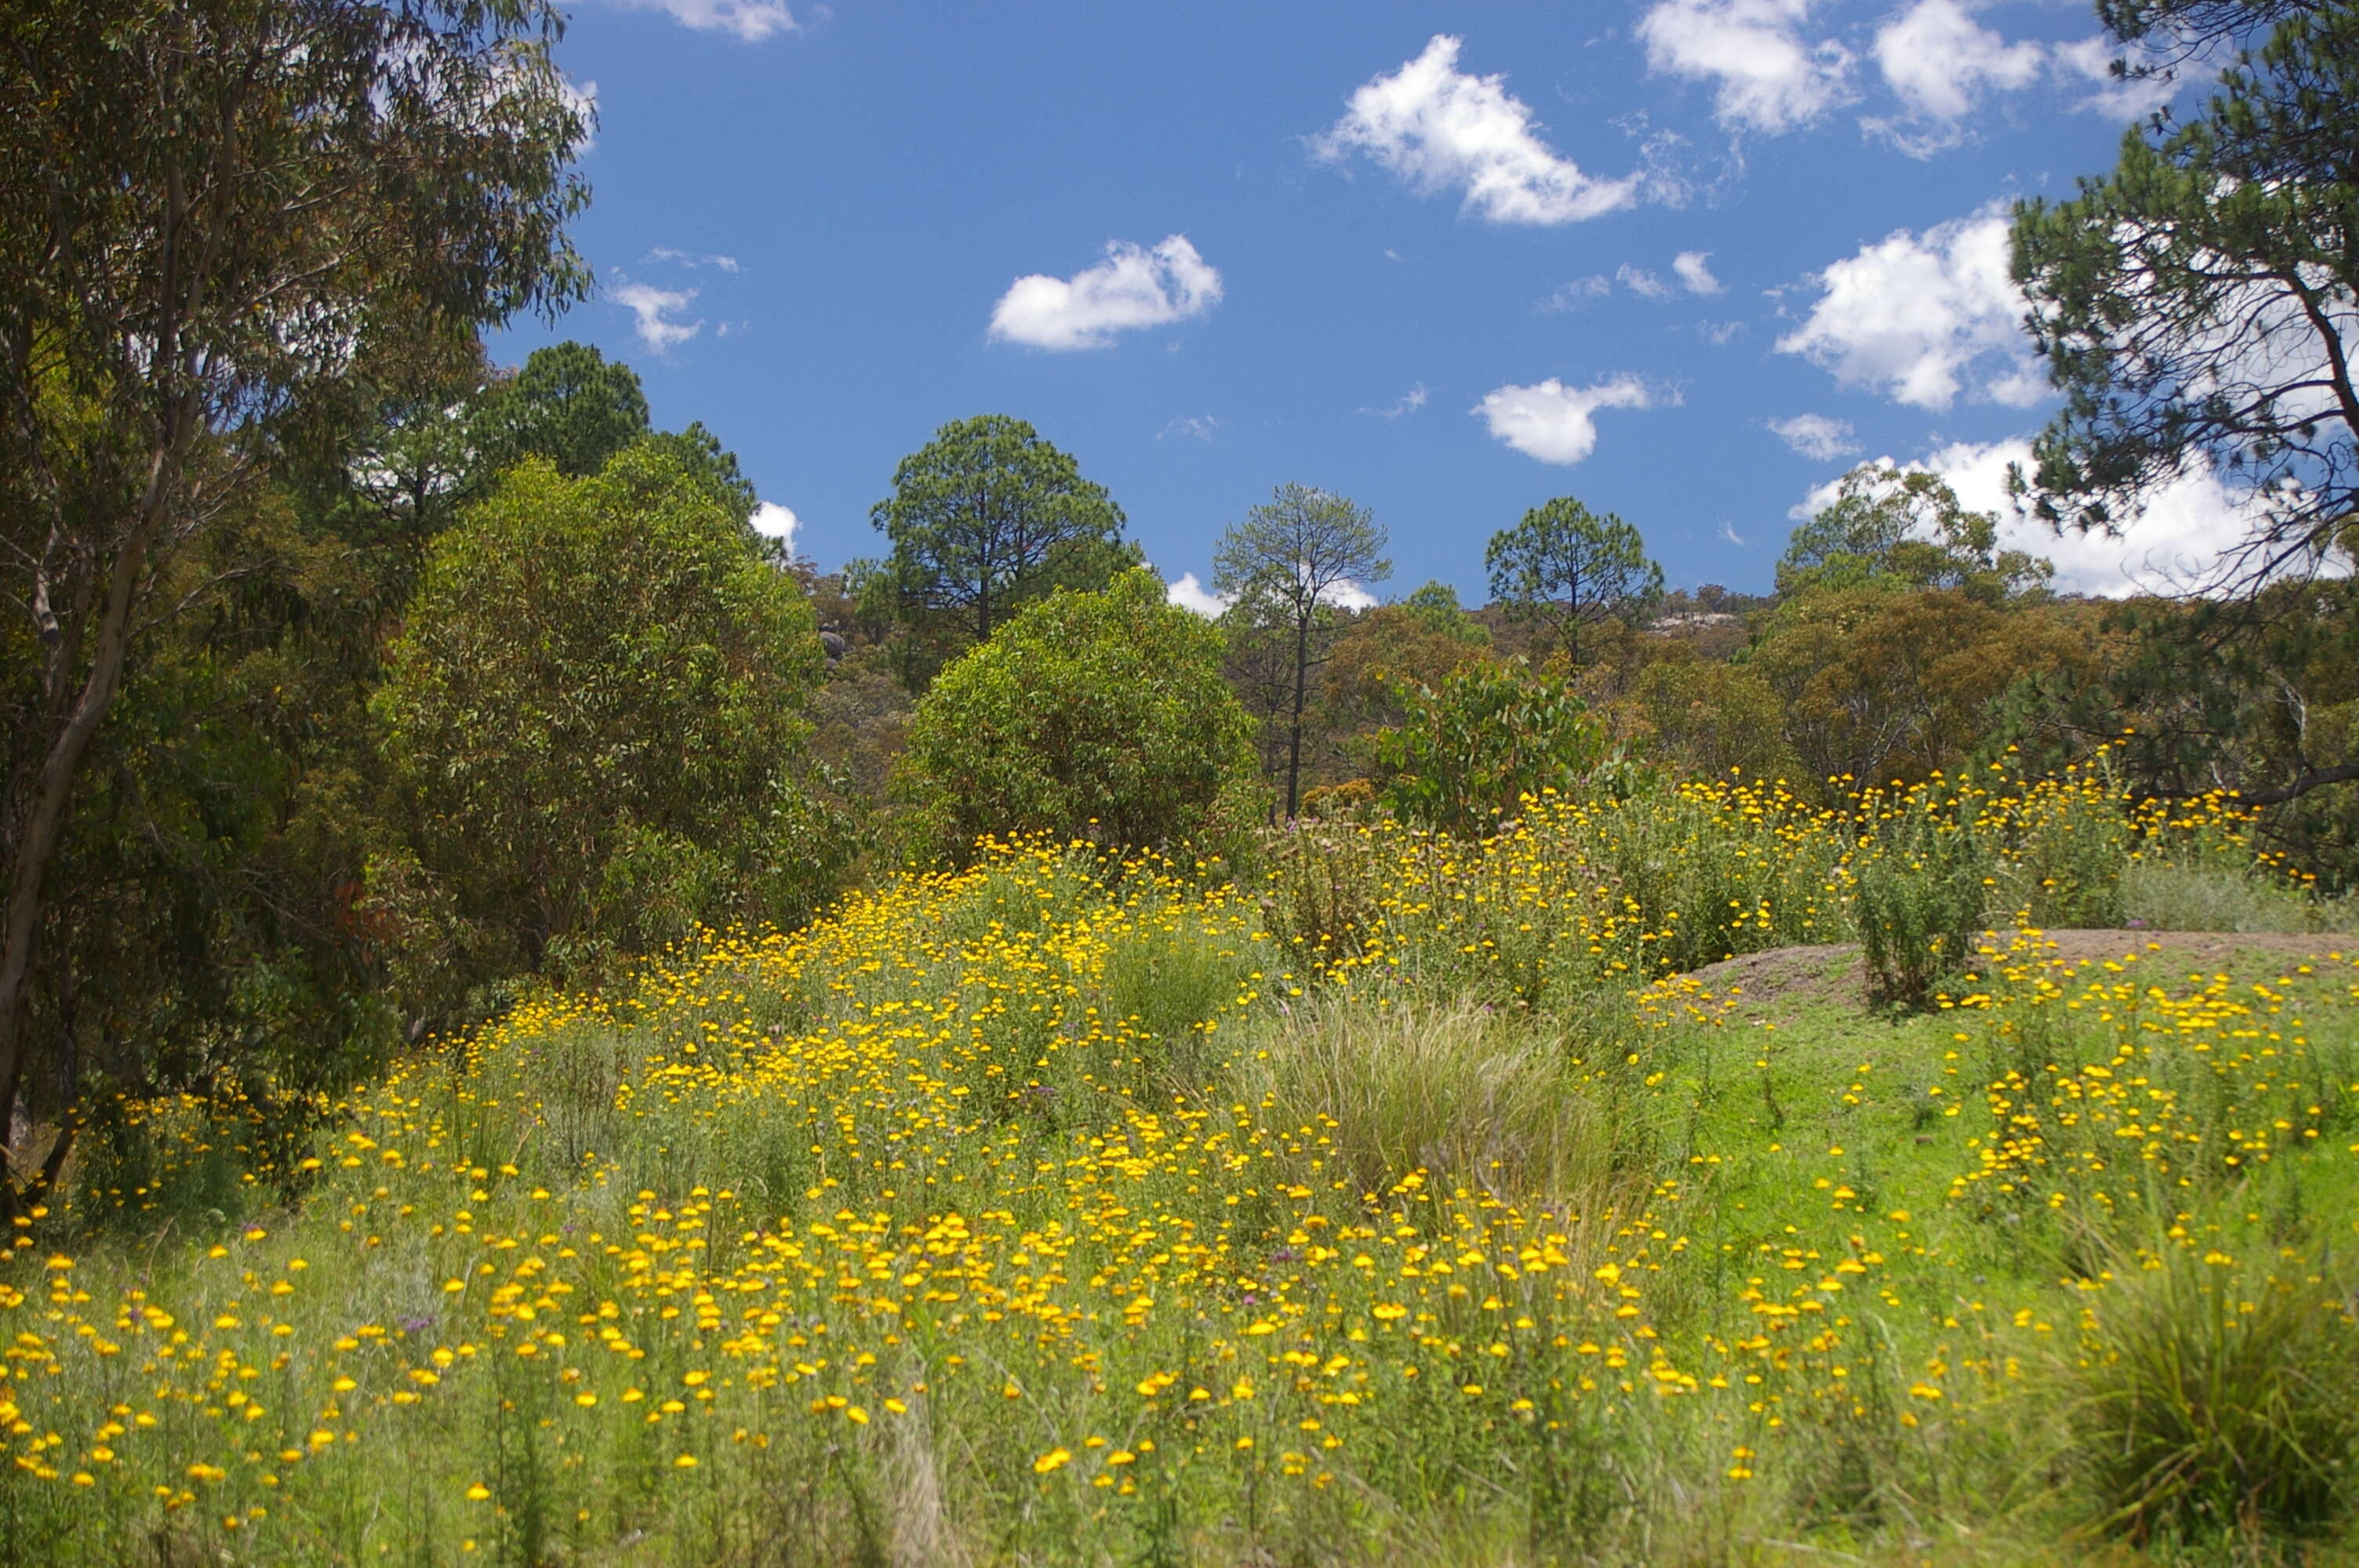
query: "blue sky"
1687, 260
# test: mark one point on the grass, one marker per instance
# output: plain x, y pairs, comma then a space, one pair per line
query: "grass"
1068, 1212
2168, 897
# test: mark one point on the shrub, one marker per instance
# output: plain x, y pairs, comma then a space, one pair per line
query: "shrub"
1922, 889
1469, 751
2074, 846
593, 719
1096, 716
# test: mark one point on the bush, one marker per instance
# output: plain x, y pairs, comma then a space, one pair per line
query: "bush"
594, 718
1491, 734
1095, 715
1922, 891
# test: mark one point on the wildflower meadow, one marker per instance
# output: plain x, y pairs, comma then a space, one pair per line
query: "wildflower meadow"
1401, 1199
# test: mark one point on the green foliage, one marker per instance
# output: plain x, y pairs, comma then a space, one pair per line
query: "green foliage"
1096, 716
1876, 684
1564, 568
1905, 528
1922, 894
1708, 719
1282, 569
1435, 608
567, 406
217, 222
2259, 696
2211, 1397
1492, 734
594, 716
983, 519
1374, 659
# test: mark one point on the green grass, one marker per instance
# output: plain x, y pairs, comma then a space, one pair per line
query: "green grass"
1731, 1279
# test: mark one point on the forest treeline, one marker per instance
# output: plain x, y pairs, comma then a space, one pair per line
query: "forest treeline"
354, 685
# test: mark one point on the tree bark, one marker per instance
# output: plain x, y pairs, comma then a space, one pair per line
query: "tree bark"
1294, 734
44, 822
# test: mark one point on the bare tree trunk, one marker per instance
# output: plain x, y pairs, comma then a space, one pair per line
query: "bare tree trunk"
1294, 734
43, 822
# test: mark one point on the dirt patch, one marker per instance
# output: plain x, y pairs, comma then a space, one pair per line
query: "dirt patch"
1828, 971
1832, 971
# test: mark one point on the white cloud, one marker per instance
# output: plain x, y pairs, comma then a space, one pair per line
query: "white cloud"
1939, 62
1917, 318
2089, 63
582, 97
1641, 281
653, 307
1349, 595
1693, 272
1199, 426
1728, 532
1719, 333
1133, 287
1943, 65
1770, 78
1189, 594
1439, 129
749, 20
1578, 293
1554, 422
776, 522
1409, 403
2181, 537
691, 258
1816, 436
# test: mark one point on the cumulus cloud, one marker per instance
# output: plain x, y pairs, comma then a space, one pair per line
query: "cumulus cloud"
1133, 287
776, 522
2181, 537
1922, 317
748, 20
1691, 272
1438, 128
1768, 77
654, 307
1189, 594
1941, 63
1554, 422
1816, 436
1349, 595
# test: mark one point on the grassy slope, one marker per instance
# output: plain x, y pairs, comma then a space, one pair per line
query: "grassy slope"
940, 1235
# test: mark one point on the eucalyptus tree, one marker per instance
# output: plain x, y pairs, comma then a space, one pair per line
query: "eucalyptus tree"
209, 211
